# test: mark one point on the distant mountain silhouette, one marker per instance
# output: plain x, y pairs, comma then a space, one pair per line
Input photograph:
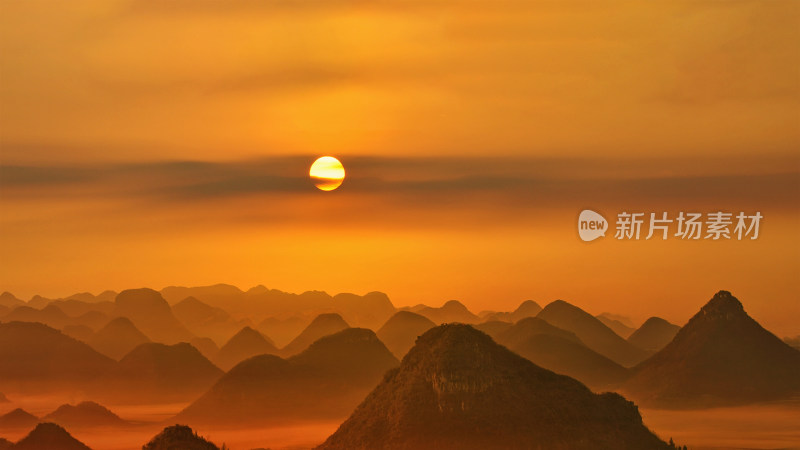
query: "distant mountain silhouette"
105, 296
368, 311
400, 332
50, 315
84, 415
593, 333
493, 327
205, 320
283, 330
325, 381
49, 436
322, 325
457, 389
37, 358
92, 319
117, 338
215, 295
244, 344
75, 308
206, 346
18, 419
179, 437
562, 352
654, 334
528, 308
720, 357
452, 311
625, 320
158, 373
152, 315
4, 399
9, 300
616, 326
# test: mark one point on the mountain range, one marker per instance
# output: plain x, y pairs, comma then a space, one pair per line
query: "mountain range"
29, 352
152, 315
593, 333
157, 373
327, 380
562, 352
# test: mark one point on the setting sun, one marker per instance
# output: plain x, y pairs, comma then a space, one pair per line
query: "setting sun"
327, 173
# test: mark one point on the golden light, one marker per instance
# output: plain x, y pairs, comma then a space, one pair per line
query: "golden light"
327, 173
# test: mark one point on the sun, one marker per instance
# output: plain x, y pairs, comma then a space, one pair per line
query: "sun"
327, 173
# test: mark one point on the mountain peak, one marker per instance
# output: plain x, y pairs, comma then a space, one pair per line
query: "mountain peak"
49, 436
179, 436
454, 304
722, 304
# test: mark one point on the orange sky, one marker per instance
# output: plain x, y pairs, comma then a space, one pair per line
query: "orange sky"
155, 143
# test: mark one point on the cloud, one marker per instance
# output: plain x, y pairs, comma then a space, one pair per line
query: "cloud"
417, 183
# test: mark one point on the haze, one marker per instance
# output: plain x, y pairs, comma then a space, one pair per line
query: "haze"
152, 144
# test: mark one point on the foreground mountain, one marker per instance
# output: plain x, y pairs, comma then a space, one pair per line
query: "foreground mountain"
179, 437
244, 344
323, 325
158, 373
117, 338
720, 357
49, 436
457, 389
654, 334
326, 381
152, 315
452, 311
593, 333
84, 415
17, 419
562, 352
400, 332
36, 358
